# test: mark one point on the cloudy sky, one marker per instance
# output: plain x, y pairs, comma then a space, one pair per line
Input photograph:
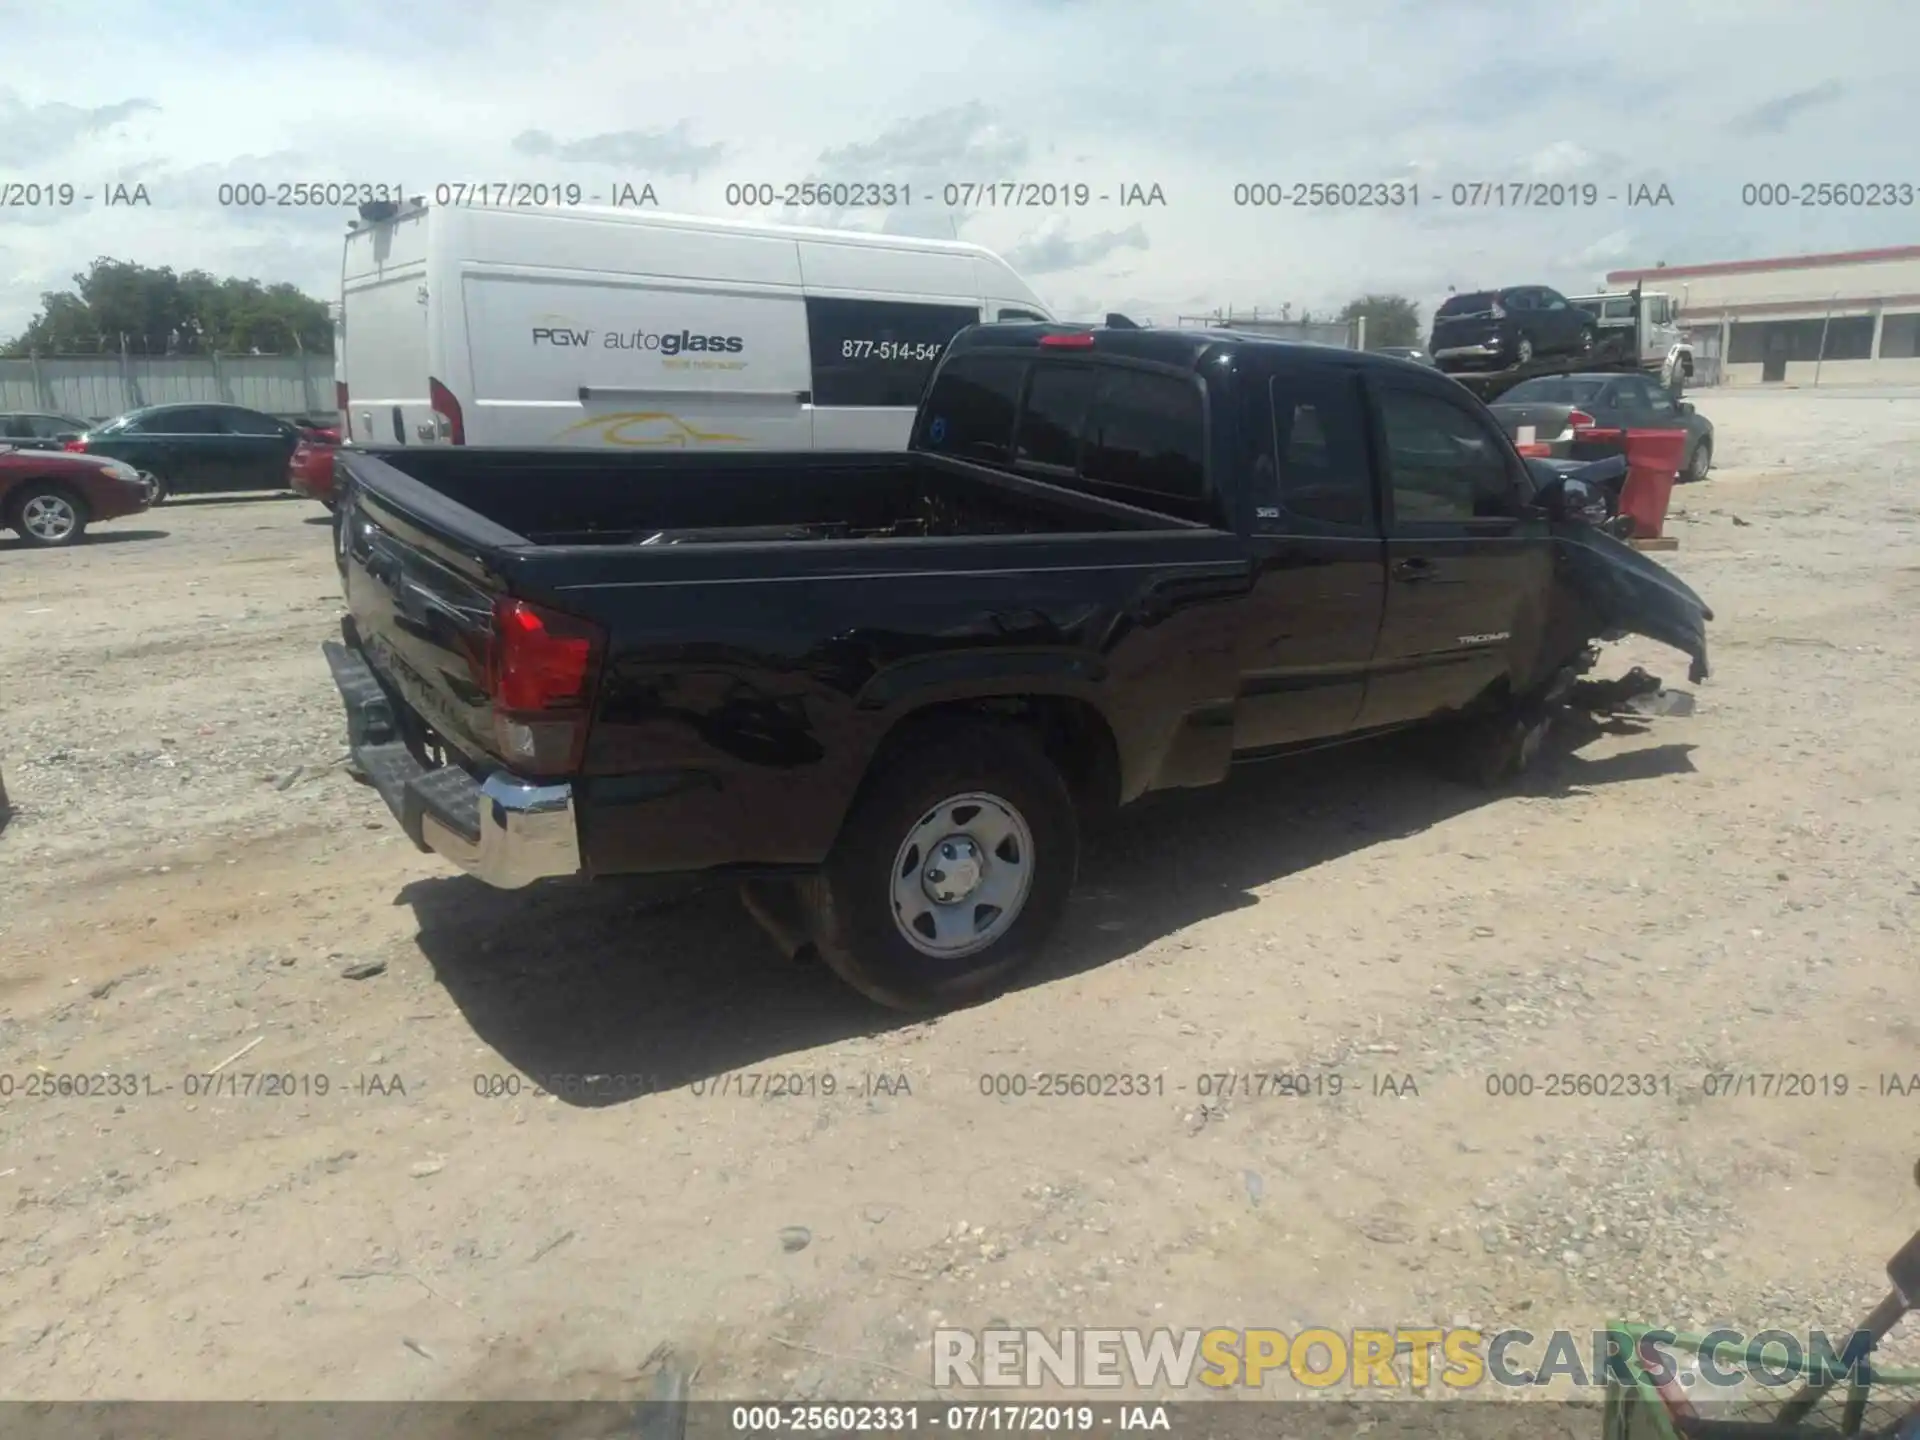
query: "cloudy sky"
1701, 96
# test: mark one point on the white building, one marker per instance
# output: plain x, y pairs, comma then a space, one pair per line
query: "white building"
1766, 319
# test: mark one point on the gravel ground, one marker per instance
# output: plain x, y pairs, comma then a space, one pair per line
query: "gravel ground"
191, 878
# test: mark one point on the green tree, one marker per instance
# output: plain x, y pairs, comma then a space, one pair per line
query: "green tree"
160, 312
1391, 319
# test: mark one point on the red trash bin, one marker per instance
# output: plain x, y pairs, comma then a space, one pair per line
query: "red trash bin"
1653, 464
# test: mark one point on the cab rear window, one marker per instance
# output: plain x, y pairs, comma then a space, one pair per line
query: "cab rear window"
1130, 435
969, 413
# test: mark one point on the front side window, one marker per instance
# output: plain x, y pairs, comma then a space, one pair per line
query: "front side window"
878, 353
1445, 466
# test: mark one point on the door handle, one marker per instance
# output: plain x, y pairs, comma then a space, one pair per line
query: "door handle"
1413, 572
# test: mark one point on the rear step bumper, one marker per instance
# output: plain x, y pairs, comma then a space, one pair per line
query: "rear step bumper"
504, 830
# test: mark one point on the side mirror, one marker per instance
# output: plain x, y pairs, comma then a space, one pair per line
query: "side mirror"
1686, 407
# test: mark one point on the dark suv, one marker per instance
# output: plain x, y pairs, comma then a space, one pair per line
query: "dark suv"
1501, 329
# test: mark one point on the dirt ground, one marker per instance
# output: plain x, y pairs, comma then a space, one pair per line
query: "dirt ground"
191, 874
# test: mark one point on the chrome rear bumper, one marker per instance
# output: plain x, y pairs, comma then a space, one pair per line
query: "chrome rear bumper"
526, 833
503, 830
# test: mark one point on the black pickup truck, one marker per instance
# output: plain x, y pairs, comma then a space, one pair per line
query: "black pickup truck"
891, 691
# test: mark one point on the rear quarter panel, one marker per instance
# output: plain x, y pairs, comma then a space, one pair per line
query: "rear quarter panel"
740, 709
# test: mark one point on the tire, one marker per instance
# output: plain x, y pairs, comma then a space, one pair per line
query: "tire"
163, 493
47, 515
1584, 345
972, 780
1488, 751
1699, 462
1523, 351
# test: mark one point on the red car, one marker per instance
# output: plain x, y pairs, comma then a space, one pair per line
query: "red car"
310, 467
51, 496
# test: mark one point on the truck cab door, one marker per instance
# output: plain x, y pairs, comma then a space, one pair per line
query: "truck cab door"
1319, 586
1469, 571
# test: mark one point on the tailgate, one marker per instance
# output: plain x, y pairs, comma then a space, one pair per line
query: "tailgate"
420, 592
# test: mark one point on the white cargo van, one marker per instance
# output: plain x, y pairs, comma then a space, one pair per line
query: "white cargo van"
628, 327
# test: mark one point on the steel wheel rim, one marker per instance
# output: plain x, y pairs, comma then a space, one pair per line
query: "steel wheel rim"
1524, 349
977, 848
48, 517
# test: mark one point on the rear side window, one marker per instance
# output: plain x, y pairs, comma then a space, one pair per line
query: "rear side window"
1319, 437
878, 353
969, 413
1146, 443
244, 422
1058, 399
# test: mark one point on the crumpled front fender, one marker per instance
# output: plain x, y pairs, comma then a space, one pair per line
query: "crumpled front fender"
1618, 590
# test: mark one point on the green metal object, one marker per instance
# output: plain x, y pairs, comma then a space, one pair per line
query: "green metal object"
1764, 1384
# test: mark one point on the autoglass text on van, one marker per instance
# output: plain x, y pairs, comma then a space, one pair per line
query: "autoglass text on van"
680, 342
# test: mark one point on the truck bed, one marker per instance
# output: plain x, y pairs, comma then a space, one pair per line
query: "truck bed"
570, 497
753, 608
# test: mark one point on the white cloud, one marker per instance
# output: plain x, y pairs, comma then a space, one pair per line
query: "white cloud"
694, 94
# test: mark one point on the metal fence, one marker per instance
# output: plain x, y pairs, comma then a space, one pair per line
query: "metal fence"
98, 387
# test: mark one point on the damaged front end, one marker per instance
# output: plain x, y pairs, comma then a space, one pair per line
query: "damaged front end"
1605, 589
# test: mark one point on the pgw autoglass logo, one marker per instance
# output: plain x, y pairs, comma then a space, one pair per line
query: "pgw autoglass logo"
668, 343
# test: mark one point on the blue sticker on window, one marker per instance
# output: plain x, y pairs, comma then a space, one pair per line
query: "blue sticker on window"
937, 432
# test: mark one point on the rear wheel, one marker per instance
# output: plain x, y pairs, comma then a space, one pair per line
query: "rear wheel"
951, 871
163, 488
46, 514
1699, 462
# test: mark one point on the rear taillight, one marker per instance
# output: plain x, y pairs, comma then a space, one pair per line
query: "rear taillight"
1580, 420
446, 410
340, 403
1081, 341
541, 669
78, 446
